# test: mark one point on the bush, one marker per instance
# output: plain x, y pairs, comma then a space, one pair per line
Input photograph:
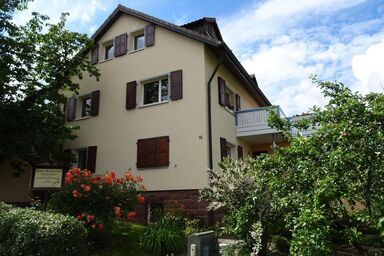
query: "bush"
166, 236
31, 232
97, 199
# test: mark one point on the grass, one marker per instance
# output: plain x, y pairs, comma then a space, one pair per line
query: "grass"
125, 240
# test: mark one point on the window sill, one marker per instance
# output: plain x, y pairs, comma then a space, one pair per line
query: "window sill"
102, 61
230, 111
82, 118
153, 104
152, 168
138, 50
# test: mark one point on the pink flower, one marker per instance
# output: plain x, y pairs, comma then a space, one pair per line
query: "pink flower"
90, 218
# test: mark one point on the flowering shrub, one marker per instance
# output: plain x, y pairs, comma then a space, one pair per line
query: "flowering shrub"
96, 200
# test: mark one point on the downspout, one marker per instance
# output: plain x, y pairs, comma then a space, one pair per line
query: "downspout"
210, 111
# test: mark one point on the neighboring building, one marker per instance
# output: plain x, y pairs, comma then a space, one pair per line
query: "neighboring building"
171, 102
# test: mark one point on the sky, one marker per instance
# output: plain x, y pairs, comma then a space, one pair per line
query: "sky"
282, 42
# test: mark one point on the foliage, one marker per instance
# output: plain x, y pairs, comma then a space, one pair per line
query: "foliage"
325, 188
167, 235
125, 240
38, 62
31, 232
234, 187
96, 200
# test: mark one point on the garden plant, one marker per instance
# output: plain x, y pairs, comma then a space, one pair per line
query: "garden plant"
323, 191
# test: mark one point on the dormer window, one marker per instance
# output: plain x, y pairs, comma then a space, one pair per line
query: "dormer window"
139, 42
108, 50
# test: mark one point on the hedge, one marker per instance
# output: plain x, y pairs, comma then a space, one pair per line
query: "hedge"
31, 232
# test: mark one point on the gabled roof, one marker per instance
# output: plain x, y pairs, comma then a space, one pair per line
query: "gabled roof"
206, 26
193, 30
161, 23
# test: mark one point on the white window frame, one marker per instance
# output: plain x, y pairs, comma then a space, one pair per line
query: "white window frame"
79, 106
105, 45
232, 99
148, 81
131, 38
76, 152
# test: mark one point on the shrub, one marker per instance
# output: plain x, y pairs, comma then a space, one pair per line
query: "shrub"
96, 200
166, 236
31, 232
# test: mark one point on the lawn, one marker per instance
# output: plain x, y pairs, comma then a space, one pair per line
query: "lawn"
125, 240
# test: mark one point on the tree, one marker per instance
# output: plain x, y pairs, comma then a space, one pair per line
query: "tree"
38, 63
327, 188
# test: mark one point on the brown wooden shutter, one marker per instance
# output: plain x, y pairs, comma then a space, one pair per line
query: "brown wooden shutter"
239, 152
95, 54
149, 35
176, 85
223, 148
141, 153
91, 158
120, 45
95, 100
71, 108
163, 151
222, 100
238, 102
131, 95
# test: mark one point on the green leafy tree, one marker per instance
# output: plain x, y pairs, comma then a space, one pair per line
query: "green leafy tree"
38, 63
327, 188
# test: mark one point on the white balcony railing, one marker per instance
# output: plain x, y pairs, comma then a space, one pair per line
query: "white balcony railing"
255, 121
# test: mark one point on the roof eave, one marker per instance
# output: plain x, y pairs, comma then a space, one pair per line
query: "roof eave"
120, 9
253, 86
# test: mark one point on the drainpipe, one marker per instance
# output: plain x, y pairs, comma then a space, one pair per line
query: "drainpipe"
210, 110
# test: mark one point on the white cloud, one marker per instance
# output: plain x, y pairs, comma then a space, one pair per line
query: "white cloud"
368, 68
285, 41
265, 20
81, 11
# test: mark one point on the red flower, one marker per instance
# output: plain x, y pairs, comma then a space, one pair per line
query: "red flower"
94, 181
128, 176
86, 188
86, 173
108, 179
117, 211
131, 214
75, 193
90, 218
76, 171
140, 199
100, 226
67, 180
113, 174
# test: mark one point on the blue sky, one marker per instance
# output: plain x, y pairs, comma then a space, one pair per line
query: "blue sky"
283, 42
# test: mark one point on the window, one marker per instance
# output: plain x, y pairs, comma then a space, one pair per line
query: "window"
85, 106
108, 50
81, 158
86, 158
153, 152
229, 99
226, 148
139, 42
156, 92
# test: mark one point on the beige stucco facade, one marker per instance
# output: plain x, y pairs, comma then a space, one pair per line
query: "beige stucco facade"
116, 130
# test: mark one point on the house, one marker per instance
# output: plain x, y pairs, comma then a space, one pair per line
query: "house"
171, 102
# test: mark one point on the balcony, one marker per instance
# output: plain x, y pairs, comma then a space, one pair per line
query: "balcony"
252, 126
